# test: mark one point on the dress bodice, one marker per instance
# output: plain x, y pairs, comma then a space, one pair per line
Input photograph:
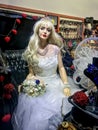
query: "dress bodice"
48, 66
49, 62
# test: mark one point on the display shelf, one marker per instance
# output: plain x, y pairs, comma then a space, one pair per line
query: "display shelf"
71, 29
55, 17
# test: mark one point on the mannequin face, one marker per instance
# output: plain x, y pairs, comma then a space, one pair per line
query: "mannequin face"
44, 31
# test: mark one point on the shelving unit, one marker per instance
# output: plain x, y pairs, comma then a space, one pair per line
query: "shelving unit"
71, 29
56, 17
72, 32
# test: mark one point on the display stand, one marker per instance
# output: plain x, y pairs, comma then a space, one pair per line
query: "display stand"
81, 118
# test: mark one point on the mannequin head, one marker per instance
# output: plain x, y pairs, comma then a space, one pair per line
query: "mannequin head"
43, 33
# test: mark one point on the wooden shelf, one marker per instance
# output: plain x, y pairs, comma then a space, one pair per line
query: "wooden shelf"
40, 12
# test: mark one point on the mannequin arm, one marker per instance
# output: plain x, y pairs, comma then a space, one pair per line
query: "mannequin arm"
31, 73
63, 76
62, 71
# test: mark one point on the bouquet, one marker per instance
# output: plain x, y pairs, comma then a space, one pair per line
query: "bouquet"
33, 87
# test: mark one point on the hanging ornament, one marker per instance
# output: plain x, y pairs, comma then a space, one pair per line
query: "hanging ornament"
1, 77
35, 17
18, 21
24, 15
6, 118
7, 39
14, 31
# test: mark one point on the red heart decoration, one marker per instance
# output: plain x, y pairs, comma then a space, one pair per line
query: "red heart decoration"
7, 39
14, 31
7, 96
6, 118
24, 15
35, 17
2, 78
18, 21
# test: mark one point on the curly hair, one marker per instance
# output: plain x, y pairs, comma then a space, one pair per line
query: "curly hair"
30, 54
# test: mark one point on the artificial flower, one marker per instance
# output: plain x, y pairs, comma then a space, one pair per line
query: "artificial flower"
9, 87
2, 78
33, 87
7, 96
80, 98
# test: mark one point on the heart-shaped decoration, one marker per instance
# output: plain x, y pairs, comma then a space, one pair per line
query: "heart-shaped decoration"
14, 31
7, 39
18, 21
6, 118
35, 17
24, 15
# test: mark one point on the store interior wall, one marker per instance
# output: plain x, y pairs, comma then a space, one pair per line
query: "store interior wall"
80, 8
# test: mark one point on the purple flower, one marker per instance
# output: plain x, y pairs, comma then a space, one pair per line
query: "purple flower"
37, 81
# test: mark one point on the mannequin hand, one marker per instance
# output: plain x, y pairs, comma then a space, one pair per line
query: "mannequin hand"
30, 76
67, 90
19, 88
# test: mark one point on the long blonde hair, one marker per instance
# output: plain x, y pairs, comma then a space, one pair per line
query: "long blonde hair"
30, 54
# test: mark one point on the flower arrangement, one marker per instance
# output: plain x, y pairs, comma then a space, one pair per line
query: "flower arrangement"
6, 88
33, 87
80, 98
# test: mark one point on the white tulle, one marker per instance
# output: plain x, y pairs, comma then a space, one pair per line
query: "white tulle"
43, 112
84, 54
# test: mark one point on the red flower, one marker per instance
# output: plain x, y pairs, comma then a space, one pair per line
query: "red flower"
9, 87
14, 31
7, 39
18, 21
7, 96
80, 98
6, 118
2, 78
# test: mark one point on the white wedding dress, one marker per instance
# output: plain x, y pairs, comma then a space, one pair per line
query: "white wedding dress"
43, 112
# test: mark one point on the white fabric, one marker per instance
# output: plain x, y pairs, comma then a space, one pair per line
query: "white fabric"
43, 112
84, 53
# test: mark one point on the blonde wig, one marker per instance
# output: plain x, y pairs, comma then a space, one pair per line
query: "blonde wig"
30, 54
